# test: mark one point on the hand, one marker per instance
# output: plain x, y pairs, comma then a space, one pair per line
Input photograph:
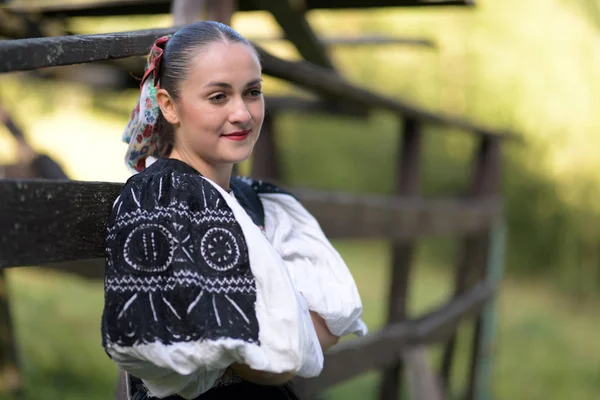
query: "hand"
326, 338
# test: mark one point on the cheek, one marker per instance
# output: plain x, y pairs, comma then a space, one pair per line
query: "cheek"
257, 111
200, 118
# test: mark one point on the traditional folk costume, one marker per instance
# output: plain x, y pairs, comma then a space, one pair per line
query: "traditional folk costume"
198, 278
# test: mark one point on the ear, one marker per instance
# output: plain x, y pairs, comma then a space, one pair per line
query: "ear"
167, 106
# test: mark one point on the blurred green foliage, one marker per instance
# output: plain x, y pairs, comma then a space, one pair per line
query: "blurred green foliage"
531, 67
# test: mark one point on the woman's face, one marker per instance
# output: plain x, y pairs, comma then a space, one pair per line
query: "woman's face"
221, 107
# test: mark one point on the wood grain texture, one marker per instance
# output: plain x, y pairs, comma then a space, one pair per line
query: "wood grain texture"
30, 54
50, 221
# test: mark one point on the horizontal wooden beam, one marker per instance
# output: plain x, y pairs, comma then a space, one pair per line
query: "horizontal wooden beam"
386, 347
98, 8
323, 81
33, 213
150, 7
34, 53
312, 106
29, 54
358, 41
397, 219
43, 221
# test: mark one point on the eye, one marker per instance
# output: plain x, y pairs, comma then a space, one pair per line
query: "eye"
218, 98
255, 92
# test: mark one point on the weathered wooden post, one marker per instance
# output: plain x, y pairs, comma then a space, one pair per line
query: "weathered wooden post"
11, 383
494, 270
220, 10
187, 11
265, 160
407, 185
485, 182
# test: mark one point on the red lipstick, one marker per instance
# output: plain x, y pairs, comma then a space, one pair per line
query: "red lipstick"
239, 135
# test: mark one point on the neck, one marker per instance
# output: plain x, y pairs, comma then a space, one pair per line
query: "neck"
219, 174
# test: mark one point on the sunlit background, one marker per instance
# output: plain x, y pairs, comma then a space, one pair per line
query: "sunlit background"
528, 66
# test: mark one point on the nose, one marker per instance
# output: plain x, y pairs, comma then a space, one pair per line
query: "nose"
239, 114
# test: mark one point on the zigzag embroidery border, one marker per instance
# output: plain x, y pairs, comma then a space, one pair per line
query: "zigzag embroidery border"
137, 216
181, 279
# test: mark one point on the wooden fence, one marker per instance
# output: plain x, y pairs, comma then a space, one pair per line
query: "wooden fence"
47, 221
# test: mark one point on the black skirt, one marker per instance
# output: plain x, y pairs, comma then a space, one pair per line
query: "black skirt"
235, 390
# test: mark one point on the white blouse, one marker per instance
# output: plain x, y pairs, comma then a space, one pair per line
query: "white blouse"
193, 284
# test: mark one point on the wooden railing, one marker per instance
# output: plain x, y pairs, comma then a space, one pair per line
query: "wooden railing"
49, 221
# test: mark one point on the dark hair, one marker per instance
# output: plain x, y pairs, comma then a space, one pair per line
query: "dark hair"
181, 48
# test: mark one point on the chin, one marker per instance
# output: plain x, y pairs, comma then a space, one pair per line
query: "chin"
237, 156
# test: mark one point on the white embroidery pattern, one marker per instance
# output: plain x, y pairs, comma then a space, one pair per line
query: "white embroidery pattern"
219, 249
177, 266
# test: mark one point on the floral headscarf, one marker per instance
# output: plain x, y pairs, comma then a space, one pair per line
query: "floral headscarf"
141, 132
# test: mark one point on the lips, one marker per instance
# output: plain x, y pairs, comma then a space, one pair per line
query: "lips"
239, 135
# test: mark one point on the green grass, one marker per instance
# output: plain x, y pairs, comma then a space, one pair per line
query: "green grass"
546, 346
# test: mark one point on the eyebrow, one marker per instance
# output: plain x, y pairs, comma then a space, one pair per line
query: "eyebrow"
226, 85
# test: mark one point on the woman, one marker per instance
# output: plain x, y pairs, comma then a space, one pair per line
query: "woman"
216, 287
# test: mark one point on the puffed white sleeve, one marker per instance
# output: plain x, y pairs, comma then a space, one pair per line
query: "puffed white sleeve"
318, 271
192, 286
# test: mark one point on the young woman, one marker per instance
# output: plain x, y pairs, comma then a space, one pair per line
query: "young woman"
216, 287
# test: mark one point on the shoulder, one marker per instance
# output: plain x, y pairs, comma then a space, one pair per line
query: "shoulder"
168, 199
258, 186
163, 211
165, 183
174, 172
252, 193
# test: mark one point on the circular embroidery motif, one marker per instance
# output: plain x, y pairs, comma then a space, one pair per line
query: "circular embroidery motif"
219, 249
149, 248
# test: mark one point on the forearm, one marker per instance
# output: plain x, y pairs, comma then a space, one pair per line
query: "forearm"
326, 339
260, 377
